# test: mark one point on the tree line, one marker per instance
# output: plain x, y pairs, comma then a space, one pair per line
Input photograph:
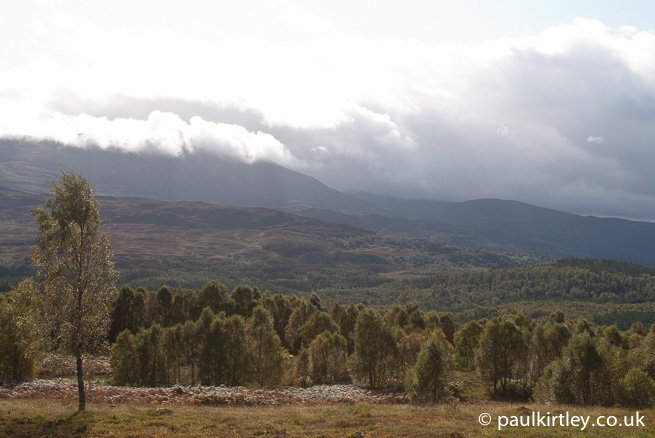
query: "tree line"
245, 337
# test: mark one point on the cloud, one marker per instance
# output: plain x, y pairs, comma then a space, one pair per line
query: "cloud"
516, 118
162, 132
592, 139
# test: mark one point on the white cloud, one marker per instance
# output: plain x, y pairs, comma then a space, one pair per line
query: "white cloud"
163, 133
592, 139
508, 117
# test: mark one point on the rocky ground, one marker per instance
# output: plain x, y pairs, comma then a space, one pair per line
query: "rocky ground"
99, 391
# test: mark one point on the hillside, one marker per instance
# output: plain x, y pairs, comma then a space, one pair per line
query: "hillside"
516, 227
508, 227
25, 166
605, 292
188, 243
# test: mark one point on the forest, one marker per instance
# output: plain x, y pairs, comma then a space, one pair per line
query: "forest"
215, 337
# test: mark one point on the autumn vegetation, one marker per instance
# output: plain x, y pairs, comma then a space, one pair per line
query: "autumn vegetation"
244, 337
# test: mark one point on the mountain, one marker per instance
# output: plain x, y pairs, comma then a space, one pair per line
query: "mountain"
529, 229
491, 224
25, 166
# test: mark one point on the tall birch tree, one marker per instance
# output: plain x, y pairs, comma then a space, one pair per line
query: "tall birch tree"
75, 264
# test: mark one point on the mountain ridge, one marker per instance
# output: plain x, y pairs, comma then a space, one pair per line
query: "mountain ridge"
505, 226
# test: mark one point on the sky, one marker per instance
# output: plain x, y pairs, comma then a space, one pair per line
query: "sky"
546, 102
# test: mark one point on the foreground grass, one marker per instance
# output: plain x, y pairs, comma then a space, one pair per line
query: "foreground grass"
57, 418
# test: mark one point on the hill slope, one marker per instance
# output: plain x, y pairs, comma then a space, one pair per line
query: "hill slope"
491, 224
526, 229
190, 243
26, 166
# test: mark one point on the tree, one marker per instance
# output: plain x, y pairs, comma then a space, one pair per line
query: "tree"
238, 356
375, 350
21, 332
448, 327
316, 324
122, 314
213, 361
500, 347
76, 267
429, 380
303, 369
268, 354
635, 390
164, 306
300, 314
466, 342
347, 325
243, 297
191, 347
215, 296
575, 377
328, 358
123, 359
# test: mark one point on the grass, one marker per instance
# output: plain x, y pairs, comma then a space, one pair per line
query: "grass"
57, 418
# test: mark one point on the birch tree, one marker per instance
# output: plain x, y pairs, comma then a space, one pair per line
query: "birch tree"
75, 264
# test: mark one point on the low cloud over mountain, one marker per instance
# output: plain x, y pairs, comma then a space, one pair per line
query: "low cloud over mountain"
560, 118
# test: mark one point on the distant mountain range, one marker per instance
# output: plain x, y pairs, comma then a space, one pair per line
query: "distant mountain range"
503, 226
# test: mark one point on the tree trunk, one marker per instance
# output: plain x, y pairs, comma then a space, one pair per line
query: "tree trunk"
80, 383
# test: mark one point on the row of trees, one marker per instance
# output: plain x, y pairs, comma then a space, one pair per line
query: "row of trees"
271, 339
517, 356
215, 350
361, 344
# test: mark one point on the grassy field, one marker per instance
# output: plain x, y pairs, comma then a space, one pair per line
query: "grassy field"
35, 418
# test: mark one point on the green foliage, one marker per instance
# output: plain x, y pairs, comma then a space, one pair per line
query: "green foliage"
376, 351
302, 371
317, 323
123, 359
213, 357
267, 352
586, 373
238, 357
500, 349
614, 285
243, 300
466, 343
122, 315
328, 358
76, 267
299, 316
22, 332
215, 296
429, 379
448, 327
635, 390
11, 275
